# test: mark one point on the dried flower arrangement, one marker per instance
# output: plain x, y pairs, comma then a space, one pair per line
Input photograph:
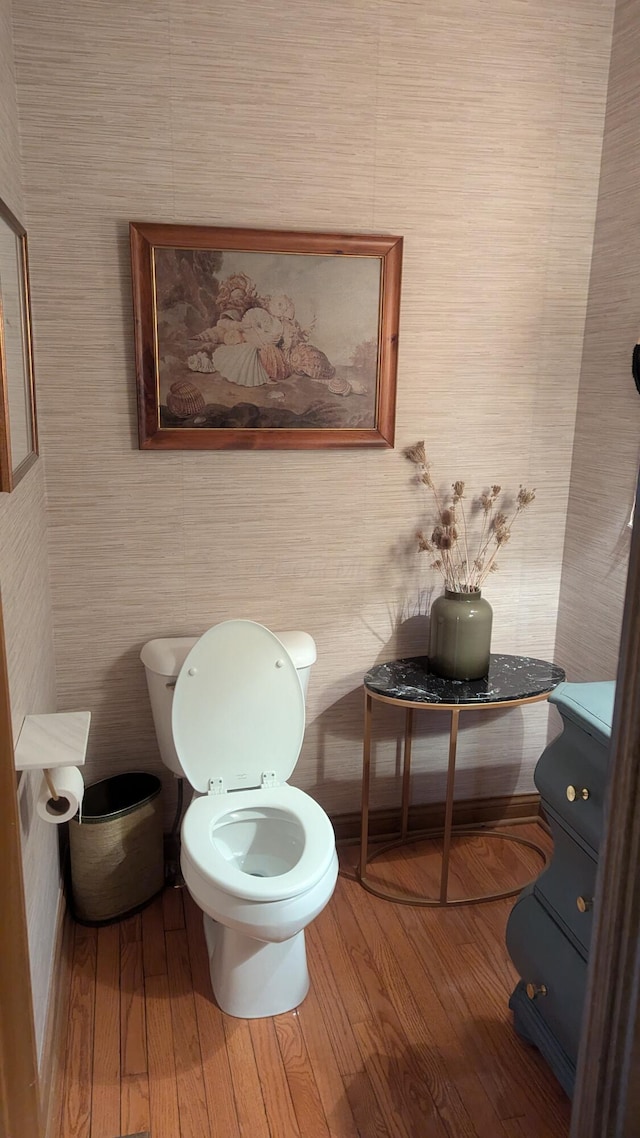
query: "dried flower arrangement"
464, 571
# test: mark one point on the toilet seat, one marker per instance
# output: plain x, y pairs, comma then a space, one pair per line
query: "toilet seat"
238, 713
210, 811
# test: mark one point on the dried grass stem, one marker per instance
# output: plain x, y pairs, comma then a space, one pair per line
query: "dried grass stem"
451, 538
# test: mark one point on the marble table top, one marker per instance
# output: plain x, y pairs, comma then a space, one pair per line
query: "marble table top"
509, 678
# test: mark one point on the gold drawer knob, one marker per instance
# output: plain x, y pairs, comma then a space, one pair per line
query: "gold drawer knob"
584, 904
535, 990
574, 792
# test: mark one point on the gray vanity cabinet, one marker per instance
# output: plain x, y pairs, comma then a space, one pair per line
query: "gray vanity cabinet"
549, 929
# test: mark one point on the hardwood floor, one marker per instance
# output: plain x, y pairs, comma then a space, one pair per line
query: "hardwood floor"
405, 1032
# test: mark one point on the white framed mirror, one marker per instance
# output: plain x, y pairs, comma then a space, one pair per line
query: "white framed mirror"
18, 429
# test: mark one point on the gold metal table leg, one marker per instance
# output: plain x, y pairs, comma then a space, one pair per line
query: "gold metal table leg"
448, 811
406, 774
366, 773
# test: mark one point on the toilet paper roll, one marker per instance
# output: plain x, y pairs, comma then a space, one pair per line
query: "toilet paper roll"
69, 786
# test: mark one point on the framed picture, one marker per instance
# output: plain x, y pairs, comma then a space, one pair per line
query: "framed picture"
18, 431
262, 339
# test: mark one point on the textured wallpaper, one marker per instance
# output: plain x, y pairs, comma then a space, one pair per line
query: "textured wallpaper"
607, 437
475, 132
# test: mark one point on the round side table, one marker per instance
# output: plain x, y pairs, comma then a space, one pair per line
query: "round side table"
510, 682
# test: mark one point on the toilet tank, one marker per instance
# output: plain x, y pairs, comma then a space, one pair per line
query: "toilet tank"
163, 660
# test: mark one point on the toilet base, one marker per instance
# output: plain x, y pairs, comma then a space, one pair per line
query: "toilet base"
252, 978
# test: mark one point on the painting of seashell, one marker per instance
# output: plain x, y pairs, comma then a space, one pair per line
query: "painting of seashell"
274, 362
308, 360
240, 363
225, 323
210, 336
184, 399
339, 386
358, 387
260, 327
281, 306
200, 361
281, 334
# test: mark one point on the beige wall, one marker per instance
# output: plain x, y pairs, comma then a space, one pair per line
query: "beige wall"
474, 131
26, 605
607, 438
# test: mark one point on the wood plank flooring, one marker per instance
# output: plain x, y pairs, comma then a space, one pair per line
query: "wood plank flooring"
405, 1032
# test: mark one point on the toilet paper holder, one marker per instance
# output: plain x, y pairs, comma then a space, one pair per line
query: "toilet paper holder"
49, 741
49, 781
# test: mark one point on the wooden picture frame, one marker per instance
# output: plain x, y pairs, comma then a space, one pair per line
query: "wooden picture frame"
250, 338
18, 427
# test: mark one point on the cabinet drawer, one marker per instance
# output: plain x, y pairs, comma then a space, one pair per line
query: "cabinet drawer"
546, 959
568, 885
575, 762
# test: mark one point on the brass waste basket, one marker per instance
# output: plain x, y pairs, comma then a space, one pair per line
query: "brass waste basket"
117, 856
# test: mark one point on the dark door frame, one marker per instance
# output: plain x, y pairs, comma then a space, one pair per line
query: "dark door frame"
19, 1093
607, 1098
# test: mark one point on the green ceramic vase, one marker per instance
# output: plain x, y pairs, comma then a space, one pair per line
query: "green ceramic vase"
460, 635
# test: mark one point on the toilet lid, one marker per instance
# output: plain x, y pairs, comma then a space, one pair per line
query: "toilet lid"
238, 708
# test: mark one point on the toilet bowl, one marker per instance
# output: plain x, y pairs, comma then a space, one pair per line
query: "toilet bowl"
258, 856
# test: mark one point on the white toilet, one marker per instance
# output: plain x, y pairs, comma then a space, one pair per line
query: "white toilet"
258, 856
